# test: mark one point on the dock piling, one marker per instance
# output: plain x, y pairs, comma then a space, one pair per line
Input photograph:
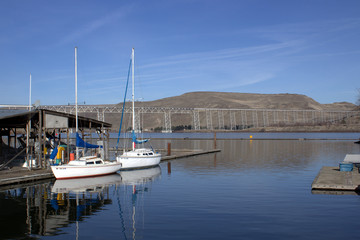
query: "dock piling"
169, 149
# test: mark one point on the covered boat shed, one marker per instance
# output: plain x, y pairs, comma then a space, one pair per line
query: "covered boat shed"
31, 128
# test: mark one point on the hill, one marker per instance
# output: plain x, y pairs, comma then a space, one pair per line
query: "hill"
246, 101
226, 100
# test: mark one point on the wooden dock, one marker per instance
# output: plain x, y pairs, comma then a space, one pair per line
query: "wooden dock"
20, 175
187, 153
331, 178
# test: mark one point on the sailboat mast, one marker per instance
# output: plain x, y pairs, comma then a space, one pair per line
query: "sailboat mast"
76, 103
133, 90
30, 94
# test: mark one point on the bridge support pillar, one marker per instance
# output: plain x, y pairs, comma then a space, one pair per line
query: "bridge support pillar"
196, 120
167, 116
209, 125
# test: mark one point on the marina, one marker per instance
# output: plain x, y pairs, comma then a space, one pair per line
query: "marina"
20, 175
235, 120
248, 188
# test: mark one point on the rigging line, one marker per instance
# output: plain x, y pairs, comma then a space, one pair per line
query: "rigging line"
122, 112
123, 229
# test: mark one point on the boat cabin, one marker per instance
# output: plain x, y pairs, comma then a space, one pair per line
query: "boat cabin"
85, 161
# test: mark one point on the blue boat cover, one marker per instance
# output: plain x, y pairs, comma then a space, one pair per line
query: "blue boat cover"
53, 153
81, 143
138, 141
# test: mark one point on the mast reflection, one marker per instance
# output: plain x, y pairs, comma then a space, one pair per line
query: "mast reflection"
130, 198
49, 208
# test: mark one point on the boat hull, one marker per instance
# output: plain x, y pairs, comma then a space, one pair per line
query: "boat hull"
136, 160
69, 171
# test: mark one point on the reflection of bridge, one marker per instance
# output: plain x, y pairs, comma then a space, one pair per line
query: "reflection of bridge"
230, 119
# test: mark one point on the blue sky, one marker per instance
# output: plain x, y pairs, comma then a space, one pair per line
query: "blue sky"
309, 47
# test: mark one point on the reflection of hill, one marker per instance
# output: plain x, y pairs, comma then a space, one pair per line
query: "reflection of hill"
242, 155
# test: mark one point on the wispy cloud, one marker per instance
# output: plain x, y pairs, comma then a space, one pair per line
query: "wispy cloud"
283, 46
94, 25
221, 69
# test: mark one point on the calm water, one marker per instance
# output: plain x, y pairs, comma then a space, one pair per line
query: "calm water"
259, 189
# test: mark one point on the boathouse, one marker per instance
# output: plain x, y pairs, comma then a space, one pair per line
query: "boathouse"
25, 133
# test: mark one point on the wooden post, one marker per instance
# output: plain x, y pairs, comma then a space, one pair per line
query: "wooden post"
9, 138
106, 151
44, 145
1, 143
91, 140
68, 144
169, 149
15, 138
39, 158
214, 140
43, 126
27, 143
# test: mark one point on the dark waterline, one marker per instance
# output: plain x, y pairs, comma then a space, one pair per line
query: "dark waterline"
250, 190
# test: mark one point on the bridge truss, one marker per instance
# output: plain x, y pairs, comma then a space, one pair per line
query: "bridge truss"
216, 118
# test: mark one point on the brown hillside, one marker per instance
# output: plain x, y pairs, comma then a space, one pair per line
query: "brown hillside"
227, 101
246, 101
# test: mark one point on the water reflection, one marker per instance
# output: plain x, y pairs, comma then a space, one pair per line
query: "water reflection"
130, 199
248, 190
53, 208
272, 155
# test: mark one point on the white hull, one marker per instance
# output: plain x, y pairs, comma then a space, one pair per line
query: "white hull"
137, 159
85, 184
67, 171
140, 176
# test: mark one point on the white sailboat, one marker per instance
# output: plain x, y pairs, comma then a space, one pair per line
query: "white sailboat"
137, 157
87, 166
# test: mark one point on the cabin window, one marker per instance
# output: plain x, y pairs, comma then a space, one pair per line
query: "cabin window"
98, 162
90, 163
145, 154
150, 154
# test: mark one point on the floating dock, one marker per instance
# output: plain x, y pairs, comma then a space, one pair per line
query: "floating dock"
187, 153
331, 178
21, 175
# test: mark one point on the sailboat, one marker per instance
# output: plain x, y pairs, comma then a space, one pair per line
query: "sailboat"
137, 157
86, 166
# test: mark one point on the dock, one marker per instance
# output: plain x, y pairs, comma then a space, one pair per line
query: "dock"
20, 175
187, 153
331, 178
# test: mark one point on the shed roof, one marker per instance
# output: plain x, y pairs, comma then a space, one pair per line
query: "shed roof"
19, 118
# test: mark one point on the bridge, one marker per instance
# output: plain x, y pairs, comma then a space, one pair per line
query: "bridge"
217, 118
211, 118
